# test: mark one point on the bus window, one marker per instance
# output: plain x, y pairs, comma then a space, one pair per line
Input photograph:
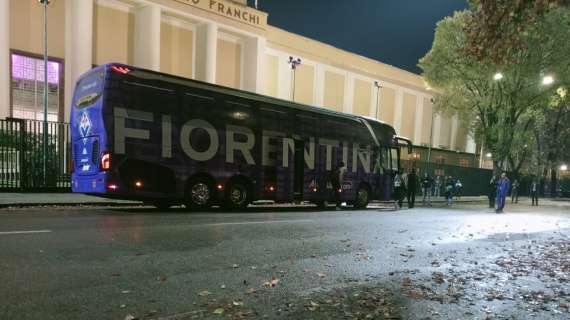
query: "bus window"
385, 158
395, 159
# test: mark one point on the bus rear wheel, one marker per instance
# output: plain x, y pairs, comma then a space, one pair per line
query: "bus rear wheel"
237, 196
362, 198
199, 193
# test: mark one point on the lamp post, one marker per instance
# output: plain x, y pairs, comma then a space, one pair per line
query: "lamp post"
294, 63
45, 3
378, 87
430, 137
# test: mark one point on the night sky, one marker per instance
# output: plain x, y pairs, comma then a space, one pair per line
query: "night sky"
396, 32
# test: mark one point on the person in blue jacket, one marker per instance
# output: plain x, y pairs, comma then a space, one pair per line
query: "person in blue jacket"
503, 187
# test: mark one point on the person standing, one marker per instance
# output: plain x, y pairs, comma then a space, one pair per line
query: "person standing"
426, 188
449, 186
411, 187
492, 192
437, 186
534, 192
398, 190
515, 191
336, 181
458, 188
503, 187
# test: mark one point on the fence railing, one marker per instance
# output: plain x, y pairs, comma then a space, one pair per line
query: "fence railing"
22, 155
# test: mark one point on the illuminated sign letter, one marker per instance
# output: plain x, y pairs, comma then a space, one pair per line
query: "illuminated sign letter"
122, 132
232, 145
267, 148
362, 155
166, 136
186, 144
329, 144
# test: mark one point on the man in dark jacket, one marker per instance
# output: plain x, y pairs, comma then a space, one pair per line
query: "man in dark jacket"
426, 188
411, 188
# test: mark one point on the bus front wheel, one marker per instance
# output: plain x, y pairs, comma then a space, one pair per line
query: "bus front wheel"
237, 195
199, 193
362, 198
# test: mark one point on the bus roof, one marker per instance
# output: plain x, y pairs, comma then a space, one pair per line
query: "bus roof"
144, 73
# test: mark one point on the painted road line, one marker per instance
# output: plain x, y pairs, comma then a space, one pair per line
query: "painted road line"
256, 222
23, 232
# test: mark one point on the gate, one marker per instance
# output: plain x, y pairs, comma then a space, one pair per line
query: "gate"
22, 156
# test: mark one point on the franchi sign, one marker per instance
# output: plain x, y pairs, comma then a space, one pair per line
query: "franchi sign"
230, 10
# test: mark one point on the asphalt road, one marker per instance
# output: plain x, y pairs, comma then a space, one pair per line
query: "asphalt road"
425, 263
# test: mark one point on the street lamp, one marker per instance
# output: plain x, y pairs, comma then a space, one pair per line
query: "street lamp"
498, 76
378, 87
563, 167
430, 136
45, 3
489, 155
294, 63
547, 80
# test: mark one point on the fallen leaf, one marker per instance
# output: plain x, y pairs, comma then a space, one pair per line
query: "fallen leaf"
130, 317
223, 286
238, 303
204, 293
235, 266
161, 279
219, 311
272, 283
321, 275
251, 291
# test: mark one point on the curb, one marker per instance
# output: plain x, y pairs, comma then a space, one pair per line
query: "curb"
69, 204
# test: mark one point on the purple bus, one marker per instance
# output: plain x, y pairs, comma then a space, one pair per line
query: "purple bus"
166, 140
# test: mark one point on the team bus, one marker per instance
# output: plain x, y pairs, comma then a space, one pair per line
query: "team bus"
166, 140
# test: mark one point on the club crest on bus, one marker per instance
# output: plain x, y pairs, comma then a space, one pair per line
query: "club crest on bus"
84, 125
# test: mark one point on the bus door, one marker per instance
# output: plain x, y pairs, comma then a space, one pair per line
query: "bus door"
299, 170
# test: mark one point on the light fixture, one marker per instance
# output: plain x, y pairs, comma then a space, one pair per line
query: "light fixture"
489, 155
563, 167
498, 76
547, 80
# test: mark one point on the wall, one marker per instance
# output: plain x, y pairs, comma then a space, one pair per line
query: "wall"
112, 35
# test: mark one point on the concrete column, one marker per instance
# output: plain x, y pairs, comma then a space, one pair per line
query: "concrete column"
348, 93
454, 127
436, 131
285, 76
207, 52
398, 111
78, 45
147, 37
320, 86
471, 146
419, 124
254, 52
5, 59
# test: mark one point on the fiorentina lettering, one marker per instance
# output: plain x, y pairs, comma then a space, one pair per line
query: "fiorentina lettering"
276, 147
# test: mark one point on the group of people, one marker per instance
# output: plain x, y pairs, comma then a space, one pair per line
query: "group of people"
499, 188
405, 185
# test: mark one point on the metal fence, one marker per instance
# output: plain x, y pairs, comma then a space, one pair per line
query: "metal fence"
22, 156
475, 181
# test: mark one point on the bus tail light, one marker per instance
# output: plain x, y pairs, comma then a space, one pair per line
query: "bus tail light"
271, 189
314, 189
121, 70
339, 190
220, 187
112, 187
106, 161
138, 184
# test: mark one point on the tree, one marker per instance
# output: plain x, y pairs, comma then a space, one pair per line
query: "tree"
500, 110
494, 28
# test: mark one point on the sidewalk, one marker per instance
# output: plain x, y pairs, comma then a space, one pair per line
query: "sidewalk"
41, 199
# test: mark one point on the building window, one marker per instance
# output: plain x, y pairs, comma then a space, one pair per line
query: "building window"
28, 87
464, 163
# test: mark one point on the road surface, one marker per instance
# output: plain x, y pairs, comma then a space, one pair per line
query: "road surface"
462, 262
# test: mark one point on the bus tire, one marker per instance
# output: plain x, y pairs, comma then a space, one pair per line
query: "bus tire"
362, 198
199, 194
237, 195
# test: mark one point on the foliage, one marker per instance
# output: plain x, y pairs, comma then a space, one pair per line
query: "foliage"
495, 28
502, 112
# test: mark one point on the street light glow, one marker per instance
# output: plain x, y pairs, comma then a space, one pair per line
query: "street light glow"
498, 76
489, 154
563, 167
546, 80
